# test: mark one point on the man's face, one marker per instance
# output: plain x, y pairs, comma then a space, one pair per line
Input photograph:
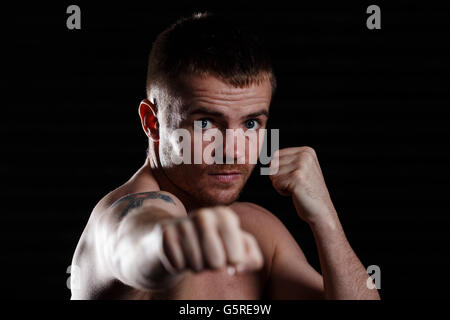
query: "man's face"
207, 105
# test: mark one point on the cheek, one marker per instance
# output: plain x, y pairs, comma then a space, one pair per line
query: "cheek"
253, 146
196, 152
171, 144
175, 146
186, 176
166, 148
261, 135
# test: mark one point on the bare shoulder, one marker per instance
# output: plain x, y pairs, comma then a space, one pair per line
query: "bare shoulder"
264, 225
95, 281
256, 216
260, 222
127, 197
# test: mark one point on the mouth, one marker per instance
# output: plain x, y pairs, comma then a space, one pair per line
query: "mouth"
226, 176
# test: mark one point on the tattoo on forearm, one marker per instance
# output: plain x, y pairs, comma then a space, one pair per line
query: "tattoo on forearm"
135, 200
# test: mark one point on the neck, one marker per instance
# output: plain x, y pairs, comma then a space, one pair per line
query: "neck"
165, 184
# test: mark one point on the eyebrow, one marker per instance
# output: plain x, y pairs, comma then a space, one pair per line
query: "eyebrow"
202, 110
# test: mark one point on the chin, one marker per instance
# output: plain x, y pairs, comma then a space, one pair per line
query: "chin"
219, 198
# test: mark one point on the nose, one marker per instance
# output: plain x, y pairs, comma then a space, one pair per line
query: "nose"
234, 146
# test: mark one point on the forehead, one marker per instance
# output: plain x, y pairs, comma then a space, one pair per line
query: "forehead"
210, 91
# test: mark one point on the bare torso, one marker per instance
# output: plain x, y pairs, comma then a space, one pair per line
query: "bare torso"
214, 285
217, 284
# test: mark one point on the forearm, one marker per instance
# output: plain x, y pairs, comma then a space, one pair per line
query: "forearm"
343, 274
299, 174
132, 251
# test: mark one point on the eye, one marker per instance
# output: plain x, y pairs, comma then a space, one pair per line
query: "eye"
252, 124
203, 124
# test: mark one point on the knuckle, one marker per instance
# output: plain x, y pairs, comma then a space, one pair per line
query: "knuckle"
309, 153
173, 255
274, 162
232, 217
255, 258
185, 226
276, 154
177, 263
168, 234
195, 259
298, 174
274, 168
309, 150
259, 261
258, 258
234, 251
220, 210
227, 215
204, 218
217, 261
187, 233
166, 237
203, 214
167, 228
252, 241
216, 258
237, 253
306, 158
234, 260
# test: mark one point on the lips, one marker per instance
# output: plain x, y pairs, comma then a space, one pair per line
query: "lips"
226, 176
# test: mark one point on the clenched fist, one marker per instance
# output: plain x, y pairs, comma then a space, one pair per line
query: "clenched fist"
299, 175
209, 238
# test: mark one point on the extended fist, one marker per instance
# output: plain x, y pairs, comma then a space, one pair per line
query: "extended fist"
299, 175
209, 238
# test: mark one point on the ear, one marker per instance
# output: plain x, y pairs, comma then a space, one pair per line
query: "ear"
147, 113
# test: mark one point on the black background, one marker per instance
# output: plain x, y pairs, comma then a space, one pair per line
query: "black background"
373, 103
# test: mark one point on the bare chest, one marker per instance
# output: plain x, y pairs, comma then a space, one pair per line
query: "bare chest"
216, 285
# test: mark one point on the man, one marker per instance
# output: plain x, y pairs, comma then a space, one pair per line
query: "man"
175, 230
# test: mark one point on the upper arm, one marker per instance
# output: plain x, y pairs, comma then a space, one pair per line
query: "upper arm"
127, 218
117, 213
160, 200
291, 276
112, 211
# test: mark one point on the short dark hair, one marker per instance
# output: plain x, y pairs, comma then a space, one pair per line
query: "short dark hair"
209, 44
